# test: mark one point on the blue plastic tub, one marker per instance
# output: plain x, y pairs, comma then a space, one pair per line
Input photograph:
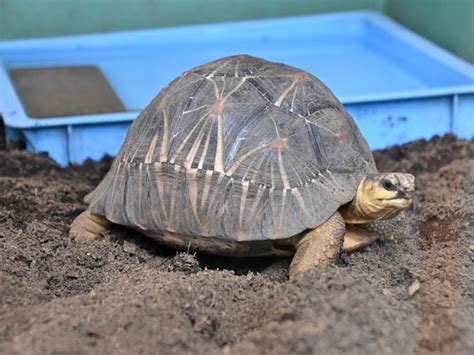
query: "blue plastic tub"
398, 86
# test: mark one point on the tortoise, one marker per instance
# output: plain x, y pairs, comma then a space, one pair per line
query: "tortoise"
246, 157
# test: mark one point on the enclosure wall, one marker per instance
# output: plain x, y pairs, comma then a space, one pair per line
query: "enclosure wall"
439, 20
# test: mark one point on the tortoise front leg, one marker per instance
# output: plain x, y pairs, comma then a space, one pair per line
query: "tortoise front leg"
362, 235
89, 226
320, 246
357, 238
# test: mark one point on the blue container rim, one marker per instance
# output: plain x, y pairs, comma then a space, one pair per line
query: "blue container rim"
15, 116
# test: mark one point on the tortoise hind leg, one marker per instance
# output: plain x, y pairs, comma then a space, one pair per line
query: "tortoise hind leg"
320, 246
89, 226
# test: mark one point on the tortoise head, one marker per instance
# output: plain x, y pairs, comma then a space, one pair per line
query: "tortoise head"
380, 196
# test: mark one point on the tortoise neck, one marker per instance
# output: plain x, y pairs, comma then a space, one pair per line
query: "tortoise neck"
363, 209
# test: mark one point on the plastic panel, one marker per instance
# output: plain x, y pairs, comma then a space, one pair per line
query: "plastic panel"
397, 85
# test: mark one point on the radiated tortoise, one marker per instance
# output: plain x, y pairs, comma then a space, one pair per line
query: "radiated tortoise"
246, 157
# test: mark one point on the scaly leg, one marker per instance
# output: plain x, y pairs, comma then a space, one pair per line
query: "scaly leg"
320, 246
357, 238
89, 226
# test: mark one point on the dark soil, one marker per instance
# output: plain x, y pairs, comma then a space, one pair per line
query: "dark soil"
126, 294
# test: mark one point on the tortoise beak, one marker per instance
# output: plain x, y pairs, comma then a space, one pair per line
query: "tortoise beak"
405, 189
406, 185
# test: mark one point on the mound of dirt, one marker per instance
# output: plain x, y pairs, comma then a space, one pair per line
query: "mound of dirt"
126, 294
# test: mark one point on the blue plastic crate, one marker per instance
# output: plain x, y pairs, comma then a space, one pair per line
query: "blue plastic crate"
397, 85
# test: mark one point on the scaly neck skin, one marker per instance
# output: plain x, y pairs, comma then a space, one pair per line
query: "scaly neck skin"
363, 209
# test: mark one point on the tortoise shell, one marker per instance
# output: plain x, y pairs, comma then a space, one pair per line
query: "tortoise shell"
239, 149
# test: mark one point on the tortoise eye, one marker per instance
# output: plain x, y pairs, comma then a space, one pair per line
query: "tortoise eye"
388, 185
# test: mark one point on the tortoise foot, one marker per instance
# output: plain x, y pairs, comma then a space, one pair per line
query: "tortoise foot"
88, 226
